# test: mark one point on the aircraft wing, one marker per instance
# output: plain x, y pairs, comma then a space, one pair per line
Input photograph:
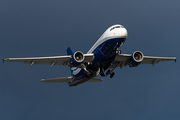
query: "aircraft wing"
123, 60
55, 60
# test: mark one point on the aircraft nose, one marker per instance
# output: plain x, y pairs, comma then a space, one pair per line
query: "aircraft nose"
122, 32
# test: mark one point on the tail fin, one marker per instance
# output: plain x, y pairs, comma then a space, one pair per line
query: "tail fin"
69, 51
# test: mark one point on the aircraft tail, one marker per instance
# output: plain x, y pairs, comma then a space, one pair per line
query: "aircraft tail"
68, 79
69, 51
63, 80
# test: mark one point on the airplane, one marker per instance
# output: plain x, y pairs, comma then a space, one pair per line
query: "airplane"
104, 56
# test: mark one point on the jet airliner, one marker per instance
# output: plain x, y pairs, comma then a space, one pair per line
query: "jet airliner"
104, 56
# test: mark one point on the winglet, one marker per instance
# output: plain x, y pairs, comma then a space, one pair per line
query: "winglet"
69, 51
175, 60
3, 61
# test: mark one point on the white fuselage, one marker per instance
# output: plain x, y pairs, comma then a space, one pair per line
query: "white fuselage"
112, 38
115, 31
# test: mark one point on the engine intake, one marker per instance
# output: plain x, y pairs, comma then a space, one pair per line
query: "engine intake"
77, 58
136, 58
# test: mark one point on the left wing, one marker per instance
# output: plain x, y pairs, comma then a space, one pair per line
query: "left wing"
55, 60
123, 60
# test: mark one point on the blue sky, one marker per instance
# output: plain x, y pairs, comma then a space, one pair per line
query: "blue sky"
47, 28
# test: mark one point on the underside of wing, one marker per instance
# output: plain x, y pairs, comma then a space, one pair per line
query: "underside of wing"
124, 60
55, 60
156, 60
120, 60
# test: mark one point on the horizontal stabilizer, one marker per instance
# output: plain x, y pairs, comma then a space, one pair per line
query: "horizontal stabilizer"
95, 80
67, 79
63, 80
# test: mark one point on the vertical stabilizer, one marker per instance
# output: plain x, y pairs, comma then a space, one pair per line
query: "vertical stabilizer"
69, 51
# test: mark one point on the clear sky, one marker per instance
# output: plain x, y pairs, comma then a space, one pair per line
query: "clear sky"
31, 28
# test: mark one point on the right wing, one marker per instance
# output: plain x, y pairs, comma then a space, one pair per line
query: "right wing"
123, 60
55, 60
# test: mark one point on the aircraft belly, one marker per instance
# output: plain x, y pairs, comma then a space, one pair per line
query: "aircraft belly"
108, 48
105, 54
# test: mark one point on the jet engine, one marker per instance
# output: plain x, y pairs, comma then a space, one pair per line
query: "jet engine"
77, 58
136, 59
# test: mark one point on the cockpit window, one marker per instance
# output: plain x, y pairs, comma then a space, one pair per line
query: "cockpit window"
116, 27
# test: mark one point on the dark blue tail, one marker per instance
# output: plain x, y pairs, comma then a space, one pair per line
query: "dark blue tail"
69, 51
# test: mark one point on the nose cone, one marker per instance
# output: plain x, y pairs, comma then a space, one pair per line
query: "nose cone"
122, 32
116, 31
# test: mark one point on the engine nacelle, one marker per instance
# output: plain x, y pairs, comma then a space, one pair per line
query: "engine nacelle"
136, 58
76, 59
